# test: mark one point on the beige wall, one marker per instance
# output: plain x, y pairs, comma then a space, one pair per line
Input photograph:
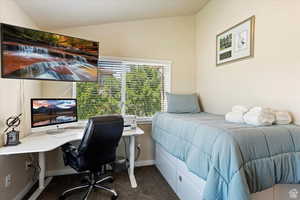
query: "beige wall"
272, 77
166, 39
12, 91
269, 79
10, 104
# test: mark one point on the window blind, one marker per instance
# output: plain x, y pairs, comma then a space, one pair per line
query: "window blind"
126, 87
103, 97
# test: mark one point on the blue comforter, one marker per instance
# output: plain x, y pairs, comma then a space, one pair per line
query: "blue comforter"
234, 159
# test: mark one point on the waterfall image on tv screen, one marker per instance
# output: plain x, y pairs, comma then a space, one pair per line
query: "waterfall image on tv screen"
46, 112
32, 54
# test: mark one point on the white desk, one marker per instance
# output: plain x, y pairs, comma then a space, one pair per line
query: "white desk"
41, 143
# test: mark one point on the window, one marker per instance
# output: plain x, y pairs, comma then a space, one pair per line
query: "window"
125, 86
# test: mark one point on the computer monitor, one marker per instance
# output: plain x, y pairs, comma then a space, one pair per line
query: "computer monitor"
48, 112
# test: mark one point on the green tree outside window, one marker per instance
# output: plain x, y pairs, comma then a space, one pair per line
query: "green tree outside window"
143, 94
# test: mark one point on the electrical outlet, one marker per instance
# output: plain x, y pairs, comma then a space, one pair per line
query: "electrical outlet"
7, 180
28, 165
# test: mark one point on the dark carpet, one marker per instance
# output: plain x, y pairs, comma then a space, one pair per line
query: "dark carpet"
151, 186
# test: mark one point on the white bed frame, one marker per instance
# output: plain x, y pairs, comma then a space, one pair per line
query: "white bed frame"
187, 185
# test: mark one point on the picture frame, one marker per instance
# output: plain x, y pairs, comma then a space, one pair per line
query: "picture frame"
236, 43
31, 54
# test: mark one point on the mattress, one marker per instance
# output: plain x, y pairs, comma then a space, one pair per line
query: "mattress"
234, 159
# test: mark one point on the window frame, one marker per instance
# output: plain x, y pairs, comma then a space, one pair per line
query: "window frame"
138, 61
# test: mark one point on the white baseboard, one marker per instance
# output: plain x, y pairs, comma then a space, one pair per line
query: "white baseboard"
68, 171
143, 163
25, 190
60, 172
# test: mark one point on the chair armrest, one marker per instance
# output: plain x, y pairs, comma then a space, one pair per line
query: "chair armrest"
70, 150
67, 148
72, 157
70, 153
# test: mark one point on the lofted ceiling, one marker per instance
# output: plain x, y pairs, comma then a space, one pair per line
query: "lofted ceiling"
70, 13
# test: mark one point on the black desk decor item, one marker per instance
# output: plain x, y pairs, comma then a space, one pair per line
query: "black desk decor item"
12, 136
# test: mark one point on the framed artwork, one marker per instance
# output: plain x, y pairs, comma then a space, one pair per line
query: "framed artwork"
39, 55
236, 43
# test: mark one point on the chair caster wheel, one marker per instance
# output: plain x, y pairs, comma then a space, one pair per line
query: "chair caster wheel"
85, 180
111, 180
114, 197
62, 198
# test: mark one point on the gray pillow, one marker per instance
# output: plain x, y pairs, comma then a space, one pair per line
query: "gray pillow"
183, 103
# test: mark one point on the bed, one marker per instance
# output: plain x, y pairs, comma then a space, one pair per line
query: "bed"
224, 160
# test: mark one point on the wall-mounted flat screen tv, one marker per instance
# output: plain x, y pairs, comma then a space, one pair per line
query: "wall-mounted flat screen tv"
46, 112
33, 54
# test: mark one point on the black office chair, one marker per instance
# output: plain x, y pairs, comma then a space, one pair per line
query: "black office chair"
97, 149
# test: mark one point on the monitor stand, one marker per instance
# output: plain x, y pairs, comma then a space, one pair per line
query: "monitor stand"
58, 130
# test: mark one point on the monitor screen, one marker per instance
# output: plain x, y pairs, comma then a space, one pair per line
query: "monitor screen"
46, 112
34, 54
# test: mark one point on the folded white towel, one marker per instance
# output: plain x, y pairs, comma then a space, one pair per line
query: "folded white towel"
257, 118
259, 109
283, 117
240, 108
236, 117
